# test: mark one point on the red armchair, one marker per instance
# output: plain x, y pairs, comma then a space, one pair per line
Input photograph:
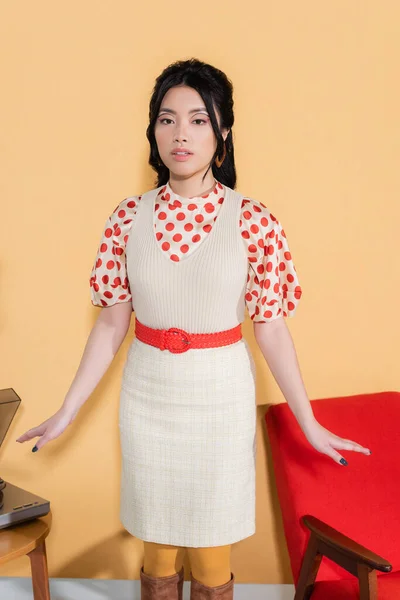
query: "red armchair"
340, 521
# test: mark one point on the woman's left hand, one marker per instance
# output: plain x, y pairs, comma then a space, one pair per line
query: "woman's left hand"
325, 441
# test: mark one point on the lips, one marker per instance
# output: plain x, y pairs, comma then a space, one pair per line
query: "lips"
175, 150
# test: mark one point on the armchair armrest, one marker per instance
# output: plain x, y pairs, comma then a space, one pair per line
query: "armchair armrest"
344, 545
355, 558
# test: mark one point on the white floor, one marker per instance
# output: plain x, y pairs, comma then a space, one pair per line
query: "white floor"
20, 588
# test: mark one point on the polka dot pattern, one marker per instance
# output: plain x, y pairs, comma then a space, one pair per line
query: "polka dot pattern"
180, 225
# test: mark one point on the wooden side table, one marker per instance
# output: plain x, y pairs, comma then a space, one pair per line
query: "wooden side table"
29, 538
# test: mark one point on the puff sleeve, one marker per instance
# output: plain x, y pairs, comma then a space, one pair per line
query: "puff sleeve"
273, 288
108, 281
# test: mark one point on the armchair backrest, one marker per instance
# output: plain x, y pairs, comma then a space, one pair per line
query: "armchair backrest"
361, 500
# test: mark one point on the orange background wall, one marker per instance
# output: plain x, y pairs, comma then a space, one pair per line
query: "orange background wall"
316, 140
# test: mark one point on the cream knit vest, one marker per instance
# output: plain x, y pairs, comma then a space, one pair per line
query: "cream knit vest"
204, 291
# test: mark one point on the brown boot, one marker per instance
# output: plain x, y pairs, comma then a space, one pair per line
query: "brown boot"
199, 591
161, 588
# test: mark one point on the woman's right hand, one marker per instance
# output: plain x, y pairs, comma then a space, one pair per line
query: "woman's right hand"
49, 430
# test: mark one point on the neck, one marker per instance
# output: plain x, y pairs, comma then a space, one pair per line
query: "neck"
193, 186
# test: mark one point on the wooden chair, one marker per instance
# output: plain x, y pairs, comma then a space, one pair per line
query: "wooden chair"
29, 538
341, 521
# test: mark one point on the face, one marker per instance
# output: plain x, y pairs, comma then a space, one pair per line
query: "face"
183, 121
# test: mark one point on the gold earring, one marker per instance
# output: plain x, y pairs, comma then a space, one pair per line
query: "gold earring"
218, 161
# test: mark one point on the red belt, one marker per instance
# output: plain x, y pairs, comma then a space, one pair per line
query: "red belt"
178, 340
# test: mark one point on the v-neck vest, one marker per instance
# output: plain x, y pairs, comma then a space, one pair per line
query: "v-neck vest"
204, 292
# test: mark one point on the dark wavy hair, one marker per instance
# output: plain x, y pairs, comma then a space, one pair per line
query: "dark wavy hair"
215, 88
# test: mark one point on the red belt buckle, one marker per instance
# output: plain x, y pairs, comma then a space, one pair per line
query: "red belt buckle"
172, 335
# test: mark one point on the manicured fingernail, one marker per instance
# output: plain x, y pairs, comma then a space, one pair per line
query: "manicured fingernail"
343, 461
35, 449
370, 451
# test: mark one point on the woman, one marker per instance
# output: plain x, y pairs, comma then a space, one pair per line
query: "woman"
189, 256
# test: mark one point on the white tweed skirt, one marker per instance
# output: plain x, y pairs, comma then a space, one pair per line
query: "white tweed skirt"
187, 426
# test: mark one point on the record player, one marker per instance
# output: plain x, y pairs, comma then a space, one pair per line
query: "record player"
16, 504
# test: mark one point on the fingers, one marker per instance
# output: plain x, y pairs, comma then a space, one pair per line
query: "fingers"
336, 456
344, 444
350, 445
42, 442
46, 431
31, 433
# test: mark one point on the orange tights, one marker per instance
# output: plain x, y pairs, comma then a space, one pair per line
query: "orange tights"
210, 566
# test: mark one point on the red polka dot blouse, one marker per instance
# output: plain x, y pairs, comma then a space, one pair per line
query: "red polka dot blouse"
180, 224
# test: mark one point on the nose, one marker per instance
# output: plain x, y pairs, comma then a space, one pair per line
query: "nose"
180, 132
181, 137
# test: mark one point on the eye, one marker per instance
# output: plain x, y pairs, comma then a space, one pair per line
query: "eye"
166, 119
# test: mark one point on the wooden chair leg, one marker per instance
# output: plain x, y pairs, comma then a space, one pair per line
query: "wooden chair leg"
40, 575
309, 569
368, 582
